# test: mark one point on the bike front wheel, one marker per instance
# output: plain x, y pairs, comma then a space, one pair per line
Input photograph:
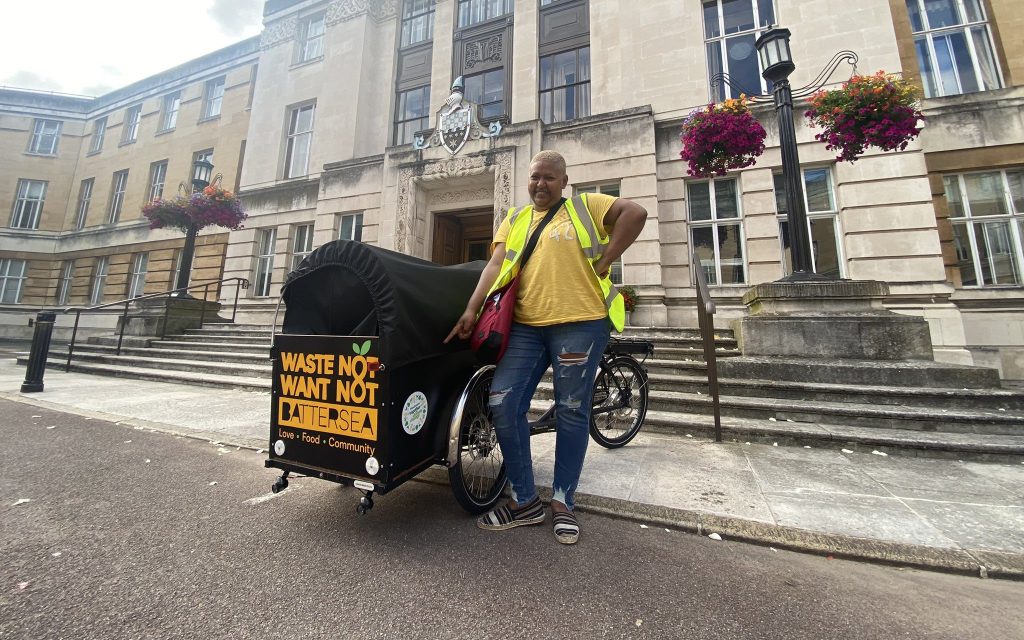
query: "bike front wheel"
620, 402
478, 475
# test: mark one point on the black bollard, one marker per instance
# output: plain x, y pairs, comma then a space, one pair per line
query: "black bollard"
40, 350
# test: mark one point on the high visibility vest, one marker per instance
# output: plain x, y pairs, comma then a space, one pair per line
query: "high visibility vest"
590, 241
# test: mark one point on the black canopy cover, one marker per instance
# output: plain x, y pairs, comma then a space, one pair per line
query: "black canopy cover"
347, 288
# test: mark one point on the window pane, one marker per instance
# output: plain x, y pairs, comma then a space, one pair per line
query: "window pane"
985, 194
974, 13
743, 69
1015, 179
711, 29
780, 194
914, 10
986, 61
964, 65
824, 248
765, 13
546, 76
730, 251
726, 204
941, 13
704, 250
584, 64
995, 251
944, 63
964, 255
953, 197
714, 54
699, 196
819, 195
787, 248
924, 61
738, 15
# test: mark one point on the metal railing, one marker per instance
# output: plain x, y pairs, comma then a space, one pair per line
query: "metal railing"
706, 322
240, 284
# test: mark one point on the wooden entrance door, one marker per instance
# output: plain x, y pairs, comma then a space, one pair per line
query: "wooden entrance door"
462, 237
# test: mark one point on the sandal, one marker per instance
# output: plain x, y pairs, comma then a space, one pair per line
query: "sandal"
567, 528
506, 517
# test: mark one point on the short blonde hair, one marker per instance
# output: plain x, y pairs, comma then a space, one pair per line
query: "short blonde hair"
553, 157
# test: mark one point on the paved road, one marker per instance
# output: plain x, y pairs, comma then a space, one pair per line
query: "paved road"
127, 536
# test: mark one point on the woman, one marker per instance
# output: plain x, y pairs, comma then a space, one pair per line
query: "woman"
562, 318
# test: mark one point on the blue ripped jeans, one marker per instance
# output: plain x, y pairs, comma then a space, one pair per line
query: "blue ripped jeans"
573, 350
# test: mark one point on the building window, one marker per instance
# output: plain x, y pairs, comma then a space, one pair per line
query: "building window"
213, 98
137, 277
954, 47
45, 136
157, 178
28, 206
302, 243
476, 11
132, 118
611, 189
487, 90
265, 262
300, 137
67, 275
99, 279
565, 85
987, 211
172, 104
730, 29
716, 233
206, 155
412, 113
417, 21
312, 46
12, 275
84, 198
117, 190
822, 222
99, 129
351, 227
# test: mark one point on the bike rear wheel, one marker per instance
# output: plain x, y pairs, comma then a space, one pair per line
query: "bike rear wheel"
478, 475
620, 402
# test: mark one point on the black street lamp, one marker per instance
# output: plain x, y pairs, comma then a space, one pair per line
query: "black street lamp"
202, 170
777, 64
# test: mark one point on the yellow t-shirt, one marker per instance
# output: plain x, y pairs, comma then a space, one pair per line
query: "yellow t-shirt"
558, 284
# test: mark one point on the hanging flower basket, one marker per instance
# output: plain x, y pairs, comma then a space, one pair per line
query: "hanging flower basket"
867, 111
721, 137
213, 206
628, 297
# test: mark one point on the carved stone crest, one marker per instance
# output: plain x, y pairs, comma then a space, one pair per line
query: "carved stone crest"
457, 123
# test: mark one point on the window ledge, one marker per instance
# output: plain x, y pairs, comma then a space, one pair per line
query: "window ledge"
40, 155
125, 143
306, 63
163, 132
94, 153
208, 119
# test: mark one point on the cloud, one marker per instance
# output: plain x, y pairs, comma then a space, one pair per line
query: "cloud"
235, 16
97, 89
30, 80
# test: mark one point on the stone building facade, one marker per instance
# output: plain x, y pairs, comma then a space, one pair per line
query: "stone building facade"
344, 86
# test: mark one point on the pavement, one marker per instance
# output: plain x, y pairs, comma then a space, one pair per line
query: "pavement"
952, 515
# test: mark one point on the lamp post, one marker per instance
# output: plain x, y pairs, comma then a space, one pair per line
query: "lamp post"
777, 63
202, 170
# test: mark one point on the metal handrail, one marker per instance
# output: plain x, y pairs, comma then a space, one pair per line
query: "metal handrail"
706, 322
241, 283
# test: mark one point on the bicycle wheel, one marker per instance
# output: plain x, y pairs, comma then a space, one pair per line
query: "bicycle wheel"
478, 475
620, 402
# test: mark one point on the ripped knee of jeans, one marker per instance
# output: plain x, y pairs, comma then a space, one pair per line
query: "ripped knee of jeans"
570, 402
496, 398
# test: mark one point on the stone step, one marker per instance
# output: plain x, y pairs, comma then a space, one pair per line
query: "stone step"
208, 379
903, 373
218, 347
232, 332
977, 421
159, 350
674, 332
250, 339
991, 399
132, 362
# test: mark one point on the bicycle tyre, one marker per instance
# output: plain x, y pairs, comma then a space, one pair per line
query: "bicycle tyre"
478, 476
614, 429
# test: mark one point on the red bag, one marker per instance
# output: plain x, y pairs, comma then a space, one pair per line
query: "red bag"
494, 325
490, 335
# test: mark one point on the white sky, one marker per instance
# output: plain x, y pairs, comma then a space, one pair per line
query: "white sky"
91, 47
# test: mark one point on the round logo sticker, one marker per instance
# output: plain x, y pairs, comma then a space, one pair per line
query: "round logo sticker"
279, 447
372, 466
414, 413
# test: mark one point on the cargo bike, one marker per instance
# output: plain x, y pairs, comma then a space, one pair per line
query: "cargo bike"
365, 393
